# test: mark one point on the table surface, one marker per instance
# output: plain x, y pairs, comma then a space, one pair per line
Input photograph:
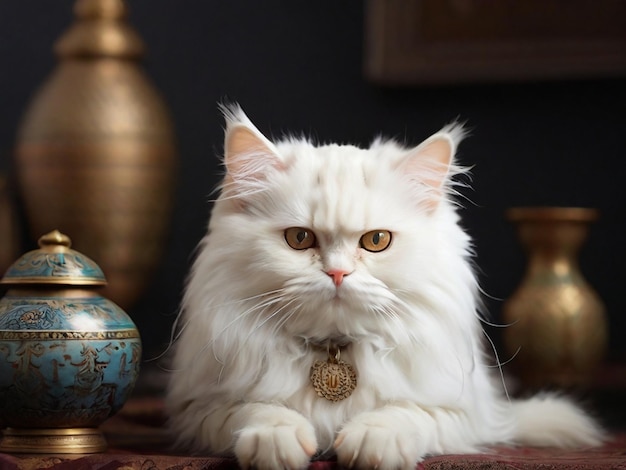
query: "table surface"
137, 440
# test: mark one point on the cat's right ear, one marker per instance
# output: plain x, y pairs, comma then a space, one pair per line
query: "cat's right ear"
249, 156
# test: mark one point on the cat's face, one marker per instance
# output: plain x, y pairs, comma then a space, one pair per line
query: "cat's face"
339, 234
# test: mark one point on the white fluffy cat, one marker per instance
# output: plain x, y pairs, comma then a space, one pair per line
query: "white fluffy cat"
357, 251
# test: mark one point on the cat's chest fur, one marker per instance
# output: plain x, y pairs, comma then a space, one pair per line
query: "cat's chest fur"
326, 415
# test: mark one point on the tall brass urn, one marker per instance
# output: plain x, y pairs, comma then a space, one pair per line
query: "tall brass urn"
556, 322
95, 152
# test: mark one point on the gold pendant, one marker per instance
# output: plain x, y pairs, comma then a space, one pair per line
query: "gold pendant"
333, 379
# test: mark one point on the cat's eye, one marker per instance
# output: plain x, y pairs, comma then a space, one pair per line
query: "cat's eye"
300, 238
376, 240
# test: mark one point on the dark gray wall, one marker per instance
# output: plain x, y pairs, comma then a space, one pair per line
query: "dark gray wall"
297, 66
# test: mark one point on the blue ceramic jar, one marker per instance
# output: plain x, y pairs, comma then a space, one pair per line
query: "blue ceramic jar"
69, 358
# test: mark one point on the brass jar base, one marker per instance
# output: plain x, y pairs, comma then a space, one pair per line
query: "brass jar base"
52, 441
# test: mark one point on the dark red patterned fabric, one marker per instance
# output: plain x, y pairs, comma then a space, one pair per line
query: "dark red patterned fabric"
137, 441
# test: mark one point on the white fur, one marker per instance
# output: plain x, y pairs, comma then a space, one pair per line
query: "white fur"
255, 313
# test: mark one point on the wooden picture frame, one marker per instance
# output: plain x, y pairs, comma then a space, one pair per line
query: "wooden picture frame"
411, 42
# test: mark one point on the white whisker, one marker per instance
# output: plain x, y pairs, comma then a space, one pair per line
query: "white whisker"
175, 333
498, 365
256, 308
268, 318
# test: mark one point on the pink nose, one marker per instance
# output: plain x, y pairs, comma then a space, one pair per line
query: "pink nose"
337, 275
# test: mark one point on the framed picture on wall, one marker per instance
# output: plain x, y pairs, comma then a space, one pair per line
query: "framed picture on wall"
410, 42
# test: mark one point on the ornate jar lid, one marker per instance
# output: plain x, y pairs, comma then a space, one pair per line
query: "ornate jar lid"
54, 263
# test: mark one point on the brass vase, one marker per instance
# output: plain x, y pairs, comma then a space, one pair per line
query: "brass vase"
95, 152
557, 327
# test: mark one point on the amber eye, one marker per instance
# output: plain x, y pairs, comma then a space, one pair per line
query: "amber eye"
299, 238
376, 240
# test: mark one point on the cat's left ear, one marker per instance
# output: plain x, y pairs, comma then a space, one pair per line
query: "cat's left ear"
429, 164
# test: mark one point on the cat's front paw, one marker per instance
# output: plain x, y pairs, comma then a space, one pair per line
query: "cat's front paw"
375, 440
286, 442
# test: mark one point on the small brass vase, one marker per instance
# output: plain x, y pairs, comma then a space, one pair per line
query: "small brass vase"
556, 323
95, 152
69, 358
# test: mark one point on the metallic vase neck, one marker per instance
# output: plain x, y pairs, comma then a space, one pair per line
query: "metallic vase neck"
100, 30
